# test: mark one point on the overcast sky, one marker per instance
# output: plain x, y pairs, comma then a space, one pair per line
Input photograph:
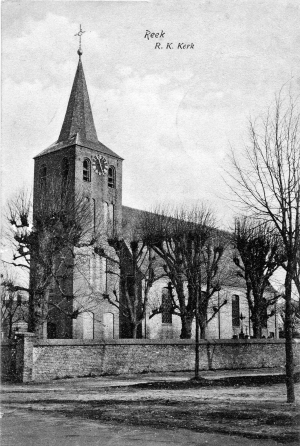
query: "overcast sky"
172, 114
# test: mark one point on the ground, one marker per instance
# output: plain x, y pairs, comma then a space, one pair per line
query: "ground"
151, 409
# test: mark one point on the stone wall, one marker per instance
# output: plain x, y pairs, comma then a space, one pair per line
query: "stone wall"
8, 360
62, 358
24, 357
43, 360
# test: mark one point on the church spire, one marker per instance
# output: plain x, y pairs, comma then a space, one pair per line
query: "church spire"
79, 116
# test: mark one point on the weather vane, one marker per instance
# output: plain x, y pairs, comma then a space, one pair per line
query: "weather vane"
79, 34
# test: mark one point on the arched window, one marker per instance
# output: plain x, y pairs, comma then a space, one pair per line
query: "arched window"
86, 171
108, 323
111, 177
65, 165
166, 315
104, 268
265, 313
109, 217
88, 325
235, 310
43, 176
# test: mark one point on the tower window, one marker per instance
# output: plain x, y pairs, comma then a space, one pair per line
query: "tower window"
235, 310
43, 176
111, 177
86, 172
109, 217
65, 165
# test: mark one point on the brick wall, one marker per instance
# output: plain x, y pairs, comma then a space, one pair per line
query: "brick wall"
43, 360
70, 358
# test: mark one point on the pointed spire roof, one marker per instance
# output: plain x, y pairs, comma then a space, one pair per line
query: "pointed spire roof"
79, 117
78, 127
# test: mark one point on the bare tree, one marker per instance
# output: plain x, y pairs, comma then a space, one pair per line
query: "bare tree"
135, 269
295, 316
215, 272
191, 250
268, 184
47, 246
14, 305
258, 254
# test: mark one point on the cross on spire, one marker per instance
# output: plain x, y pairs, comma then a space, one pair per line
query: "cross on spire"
79, 34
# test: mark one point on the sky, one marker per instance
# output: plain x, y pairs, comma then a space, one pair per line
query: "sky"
172, 114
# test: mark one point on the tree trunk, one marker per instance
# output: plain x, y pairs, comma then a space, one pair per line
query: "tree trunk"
202, 322
10, 323
197, 355
134, 331
288, 328
257, 333
31, 313
202, 329
186, 327
257, 326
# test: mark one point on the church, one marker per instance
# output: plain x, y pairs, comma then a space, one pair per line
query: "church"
96, 171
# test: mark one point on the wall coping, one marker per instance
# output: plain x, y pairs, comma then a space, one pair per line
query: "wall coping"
24, 334
85, 342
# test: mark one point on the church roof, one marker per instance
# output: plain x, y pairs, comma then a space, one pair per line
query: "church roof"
78, 126
230, 277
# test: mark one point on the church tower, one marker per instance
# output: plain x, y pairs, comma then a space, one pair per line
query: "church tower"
94, 170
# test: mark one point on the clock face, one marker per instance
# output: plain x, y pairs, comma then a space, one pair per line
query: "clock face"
100, 165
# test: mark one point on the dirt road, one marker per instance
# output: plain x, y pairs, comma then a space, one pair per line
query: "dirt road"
147, 410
